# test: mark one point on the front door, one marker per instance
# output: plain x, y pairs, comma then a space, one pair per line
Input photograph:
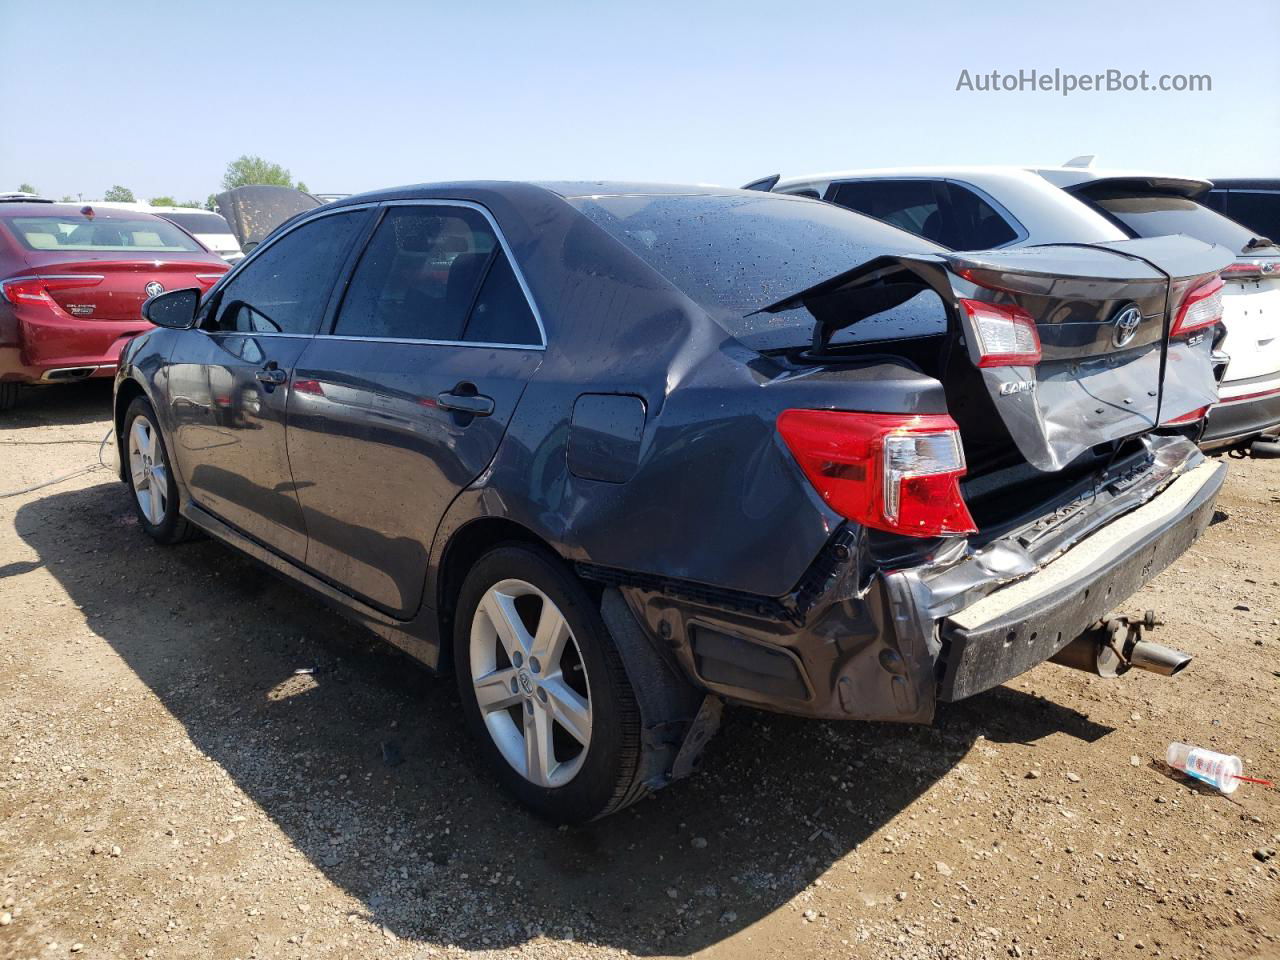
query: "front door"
405, 402
230, 380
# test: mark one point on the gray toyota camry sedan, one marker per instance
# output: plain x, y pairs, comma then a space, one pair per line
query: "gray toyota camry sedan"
615, 454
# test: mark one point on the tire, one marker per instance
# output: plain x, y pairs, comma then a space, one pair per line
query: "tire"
9, 395
523, 695
147, 466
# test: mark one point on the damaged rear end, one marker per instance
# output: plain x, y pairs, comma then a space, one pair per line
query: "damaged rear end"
969, 545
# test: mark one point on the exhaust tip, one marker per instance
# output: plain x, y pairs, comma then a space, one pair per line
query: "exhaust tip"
1159, 659
62, 374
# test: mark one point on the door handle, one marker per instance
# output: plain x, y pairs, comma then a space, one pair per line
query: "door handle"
272, 375
475, 404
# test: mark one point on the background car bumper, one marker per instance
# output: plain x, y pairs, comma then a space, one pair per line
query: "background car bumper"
1241, 418
47, 344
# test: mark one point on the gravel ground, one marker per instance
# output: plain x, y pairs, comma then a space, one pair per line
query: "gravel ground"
196, 760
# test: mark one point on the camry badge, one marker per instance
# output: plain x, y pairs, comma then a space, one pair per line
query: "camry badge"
1126, 321
154, 288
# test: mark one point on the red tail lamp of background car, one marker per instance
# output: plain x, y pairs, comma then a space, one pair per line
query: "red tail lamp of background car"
37, 289
1202, 308
894, 472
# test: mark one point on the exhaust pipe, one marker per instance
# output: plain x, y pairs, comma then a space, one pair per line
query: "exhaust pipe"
1111, 648
63, 374
1266, 448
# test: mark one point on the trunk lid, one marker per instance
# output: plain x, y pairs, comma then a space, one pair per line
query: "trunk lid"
1095, 383
115, 289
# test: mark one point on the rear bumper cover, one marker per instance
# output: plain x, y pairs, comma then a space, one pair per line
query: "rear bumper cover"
888, 645
39, 340
1234, 420
1011, 630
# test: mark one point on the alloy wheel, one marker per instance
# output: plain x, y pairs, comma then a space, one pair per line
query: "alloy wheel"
530, 683
148, 469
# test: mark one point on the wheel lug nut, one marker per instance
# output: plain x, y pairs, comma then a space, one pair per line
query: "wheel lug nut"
534, 665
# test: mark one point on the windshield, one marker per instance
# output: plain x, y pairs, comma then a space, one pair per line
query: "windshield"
734, 254
76, 232
1158, 215
198, 222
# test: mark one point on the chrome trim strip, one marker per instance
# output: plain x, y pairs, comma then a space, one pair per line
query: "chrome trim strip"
436, 343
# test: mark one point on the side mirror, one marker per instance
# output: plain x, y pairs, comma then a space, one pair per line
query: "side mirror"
175, 309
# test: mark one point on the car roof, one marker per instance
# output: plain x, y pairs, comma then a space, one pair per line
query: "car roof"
568, 189
1068, 177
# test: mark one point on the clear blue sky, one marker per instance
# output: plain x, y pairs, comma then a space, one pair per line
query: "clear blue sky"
356, 95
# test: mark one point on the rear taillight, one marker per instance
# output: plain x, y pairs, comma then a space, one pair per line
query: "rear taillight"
1006, 335
1193, 417
207, 280
21, 290
1202, 308
1251, 270
895, 472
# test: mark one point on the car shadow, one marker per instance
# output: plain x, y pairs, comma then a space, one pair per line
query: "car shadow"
364, 764
64, 404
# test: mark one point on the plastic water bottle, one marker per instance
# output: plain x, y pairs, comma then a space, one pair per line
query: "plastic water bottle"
1219, 770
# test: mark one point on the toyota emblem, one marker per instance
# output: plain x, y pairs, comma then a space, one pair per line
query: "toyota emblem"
1126, 321
154, 288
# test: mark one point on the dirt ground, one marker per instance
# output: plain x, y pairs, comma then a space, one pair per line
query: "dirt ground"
171, 785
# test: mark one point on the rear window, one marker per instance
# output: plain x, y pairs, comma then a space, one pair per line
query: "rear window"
1158, 215
733, 255
198, 222
78, 233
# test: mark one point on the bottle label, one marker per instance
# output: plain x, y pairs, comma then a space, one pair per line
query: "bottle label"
1206, 765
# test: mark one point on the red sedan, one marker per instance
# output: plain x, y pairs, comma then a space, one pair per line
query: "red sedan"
72, 283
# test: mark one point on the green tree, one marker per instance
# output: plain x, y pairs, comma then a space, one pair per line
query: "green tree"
68, 198
163, 202
27, 188
302, 186
195, 204
119, 194
211, 202
248, 169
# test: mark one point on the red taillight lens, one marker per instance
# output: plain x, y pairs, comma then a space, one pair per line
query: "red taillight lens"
1192, 417
207, 280
1006, 335
896, 472
1202, 308
1251, 270
36, 289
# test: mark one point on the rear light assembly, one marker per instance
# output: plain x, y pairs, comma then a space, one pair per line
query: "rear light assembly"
1202, 308
20, 290
889, 471
1251, 270
1006, 335
1193, 417
207, 280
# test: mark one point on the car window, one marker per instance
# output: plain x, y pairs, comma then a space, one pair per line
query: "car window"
973, 223
1160, 215
911, 205
80, 233
285, 288
1257, 210
417, 278
196, 222
501, 313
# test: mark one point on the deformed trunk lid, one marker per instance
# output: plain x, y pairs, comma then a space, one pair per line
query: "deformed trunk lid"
255, 211
1095, 383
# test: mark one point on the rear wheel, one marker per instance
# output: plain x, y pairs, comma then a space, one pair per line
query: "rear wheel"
155, 491
9, 395
543, 687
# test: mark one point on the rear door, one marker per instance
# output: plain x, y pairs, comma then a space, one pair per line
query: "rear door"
404, 401
230, 380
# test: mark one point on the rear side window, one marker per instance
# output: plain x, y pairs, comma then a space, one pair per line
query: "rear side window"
435, 273
196, 222
1159, 215
285, 288
911, 205
1256, 209
80, 233
946, 213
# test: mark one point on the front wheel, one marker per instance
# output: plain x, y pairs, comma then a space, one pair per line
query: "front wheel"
543, 687
151, 480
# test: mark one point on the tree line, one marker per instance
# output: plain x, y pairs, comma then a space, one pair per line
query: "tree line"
244, 171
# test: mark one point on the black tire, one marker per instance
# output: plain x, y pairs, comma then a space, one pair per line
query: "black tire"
171, 527
9, 395
606, 781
